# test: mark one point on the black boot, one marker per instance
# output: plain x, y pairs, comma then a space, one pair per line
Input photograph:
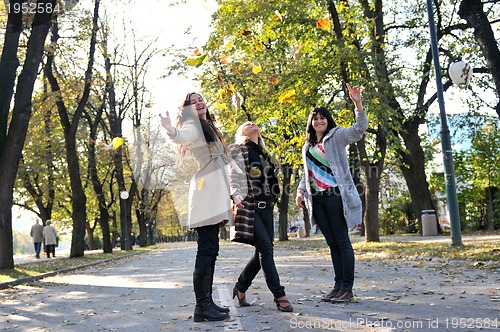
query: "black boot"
221, 309
204, 311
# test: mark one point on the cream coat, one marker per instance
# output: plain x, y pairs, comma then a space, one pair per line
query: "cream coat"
209, 198
49, 235
335, 143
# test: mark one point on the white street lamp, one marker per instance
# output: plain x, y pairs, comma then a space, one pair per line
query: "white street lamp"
460, 72
124, 197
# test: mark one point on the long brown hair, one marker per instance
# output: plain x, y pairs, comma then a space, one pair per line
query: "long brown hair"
209, 130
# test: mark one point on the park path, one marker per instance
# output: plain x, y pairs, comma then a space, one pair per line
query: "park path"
153, 292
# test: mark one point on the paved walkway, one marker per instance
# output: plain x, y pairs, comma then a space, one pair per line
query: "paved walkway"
153, 292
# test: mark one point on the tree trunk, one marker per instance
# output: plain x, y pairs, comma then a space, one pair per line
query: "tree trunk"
79, 199
413, 169
371, 211
283, 203
8, 68
11, 148
472, 11
97, 183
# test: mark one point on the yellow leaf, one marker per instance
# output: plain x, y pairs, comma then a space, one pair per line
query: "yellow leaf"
324, 24
191, 62
228, 45
258, 46
277, 16
117, 142
201, 183
287, 96
256, 68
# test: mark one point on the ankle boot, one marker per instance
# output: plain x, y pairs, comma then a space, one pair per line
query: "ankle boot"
218, 308
204, 310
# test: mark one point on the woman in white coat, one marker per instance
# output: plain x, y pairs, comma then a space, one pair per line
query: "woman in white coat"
209, 199
328, 191
50, 238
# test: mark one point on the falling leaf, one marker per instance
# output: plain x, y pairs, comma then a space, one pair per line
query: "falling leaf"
191, 62
196, 52
273, 80
246, 32
277, 16
201, 183
188, 30
200, 60
287, 96
259, 46
117, 142
224, 58
228, 45
256, 67
323, 24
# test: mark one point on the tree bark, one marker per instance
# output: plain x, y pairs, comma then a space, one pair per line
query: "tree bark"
283, 203
472, 11
97, 183
79, 199
8, 68
11, 149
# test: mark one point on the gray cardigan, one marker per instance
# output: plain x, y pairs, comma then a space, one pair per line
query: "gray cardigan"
335, 143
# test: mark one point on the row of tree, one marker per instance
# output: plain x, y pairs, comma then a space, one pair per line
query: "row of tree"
75, 130
270, 63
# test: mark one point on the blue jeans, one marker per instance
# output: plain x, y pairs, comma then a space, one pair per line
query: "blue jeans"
329, 215
38, 248
208, 246
263, 236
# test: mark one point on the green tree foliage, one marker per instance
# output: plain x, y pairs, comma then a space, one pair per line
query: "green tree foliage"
477, 169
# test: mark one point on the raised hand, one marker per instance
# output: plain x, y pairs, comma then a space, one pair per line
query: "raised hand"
355, 95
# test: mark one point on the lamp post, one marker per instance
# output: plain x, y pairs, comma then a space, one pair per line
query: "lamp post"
124, 197
451, 190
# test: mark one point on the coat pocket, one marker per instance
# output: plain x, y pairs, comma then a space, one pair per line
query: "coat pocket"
352, 197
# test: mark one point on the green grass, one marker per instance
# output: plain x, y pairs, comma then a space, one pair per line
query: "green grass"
34, 268
471, 250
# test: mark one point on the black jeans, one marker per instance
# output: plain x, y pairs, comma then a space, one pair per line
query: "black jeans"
263, 236
329, 215
208, 246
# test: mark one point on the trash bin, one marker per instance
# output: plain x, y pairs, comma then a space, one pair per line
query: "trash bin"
301, 233
429, 226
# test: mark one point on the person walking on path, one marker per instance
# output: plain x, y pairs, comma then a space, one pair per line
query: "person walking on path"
209, 200
254, 193
329, 192
37, 235
50, 238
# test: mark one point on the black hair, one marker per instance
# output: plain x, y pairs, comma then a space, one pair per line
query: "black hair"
310, 132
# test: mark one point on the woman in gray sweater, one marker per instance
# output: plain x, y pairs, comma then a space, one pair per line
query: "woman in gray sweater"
328, 191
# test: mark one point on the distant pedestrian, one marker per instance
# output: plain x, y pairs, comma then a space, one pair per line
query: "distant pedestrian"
328, 190
50, 238
37, 235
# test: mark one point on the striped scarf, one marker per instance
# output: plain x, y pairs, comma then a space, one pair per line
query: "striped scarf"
320, 174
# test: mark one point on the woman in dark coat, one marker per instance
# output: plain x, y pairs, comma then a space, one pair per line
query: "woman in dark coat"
253, 193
